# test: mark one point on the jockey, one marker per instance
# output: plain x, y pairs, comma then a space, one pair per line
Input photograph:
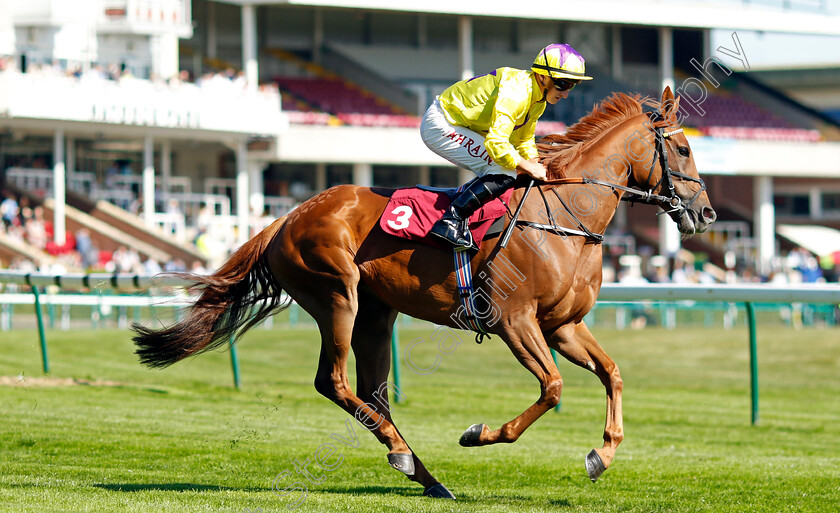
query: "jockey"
486, 124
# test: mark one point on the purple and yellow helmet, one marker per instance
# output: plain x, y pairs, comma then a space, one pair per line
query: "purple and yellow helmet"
560, 61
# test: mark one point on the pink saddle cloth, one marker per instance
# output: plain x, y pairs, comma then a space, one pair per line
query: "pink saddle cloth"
411, 212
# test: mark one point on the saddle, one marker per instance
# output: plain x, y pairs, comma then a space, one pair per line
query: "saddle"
412, 211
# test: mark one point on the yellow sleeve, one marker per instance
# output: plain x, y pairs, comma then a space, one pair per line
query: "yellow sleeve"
524, 139
511, 101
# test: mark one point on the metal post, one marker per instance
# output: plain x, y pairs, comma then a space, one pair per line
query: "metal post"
38, 315
395, 359
122, 317
65, 317
250, 64
753, 363
242, 207
234, 361
149, 181
293, 315
165, 170
151, 305
51, 314
559, 403
465, 46
59, 184
764, 214
5, 317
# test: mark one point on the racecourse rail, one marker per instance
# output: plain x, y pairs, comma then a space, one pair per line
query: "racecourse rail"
740, 293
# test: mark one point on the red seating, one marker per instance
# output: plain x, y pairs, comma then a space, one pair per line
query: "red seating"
350, 105
729, 110
334, 95
724, 114
387, 120
309, 118
727, 115
763, 133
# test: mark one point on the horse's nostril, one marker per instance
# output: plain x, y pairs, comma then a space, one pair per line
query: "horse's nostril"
709, 215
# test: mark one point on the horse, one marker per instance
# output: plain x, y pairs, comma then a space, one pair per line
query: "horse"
332, 258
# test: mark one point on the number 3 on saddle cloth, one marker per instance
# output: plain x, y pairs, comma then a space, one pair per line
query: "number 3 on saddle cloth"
410, 214
412, 211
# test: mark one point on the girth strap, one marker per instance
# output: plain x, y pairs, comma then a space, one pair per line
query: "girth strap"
463, 275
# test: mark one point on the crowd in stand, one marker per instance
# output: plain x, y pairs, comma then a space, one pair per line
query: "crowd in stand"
25, 224
796, 266
227, 80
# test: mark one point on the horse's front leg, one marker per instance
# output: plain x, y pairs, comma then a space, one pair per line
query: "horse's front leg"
528, 345
576, 344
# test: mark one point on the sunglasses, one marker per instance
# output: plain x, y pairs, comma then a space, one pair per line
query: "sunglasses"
564, 85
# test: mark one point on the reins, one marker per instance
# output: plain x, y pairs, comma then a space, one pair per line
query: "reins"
632, 195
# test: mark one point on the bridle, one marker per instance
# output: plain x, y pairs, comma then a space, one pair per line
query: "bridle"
666, 179
665, 185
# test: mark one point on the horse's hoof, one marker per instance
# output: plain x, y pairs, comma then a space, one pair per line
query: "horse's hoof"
594, 466
438, 491
402, 462
471, 435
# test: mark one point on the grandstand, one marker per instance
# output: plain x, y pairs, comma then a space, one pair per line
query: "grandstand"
202, 119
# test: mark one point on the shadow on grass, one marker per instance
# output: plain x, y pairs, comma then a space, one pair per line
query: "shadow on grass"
172, 487
559, 503
405, 491
416, 491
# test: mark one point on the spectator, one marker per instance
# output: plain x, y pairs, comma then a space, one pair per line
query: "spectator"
36, 229
175, 266
9, 210
682, 273
25, 210
22, 264
151, 267
88, 254
198, 268
125, 260
111, 173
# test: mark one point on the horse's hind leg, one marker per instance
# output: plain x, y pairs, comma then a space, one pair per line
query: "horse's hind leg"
578, 345
331, 380
337, 320
324, 279
526, 342
372, 347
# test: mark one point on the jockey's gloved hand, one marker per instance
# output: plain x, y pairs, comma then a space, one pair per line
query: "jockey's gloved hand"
532, 168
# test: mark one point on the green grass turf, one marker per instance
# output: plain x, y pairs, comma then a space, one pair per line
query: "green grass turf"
183, 440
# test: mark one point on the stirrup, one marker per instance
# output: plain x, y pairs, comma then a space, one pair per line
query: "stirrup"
455, 233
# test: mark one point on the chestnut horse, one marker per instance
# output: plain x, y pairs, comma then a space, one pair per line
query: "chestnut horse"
331, 257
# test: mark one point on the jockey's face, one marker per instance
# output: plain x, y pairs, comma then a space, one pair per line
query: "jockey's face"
554, 90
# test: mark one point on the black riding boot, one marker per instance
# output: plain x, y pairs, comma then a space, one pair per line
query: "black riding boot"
452, 227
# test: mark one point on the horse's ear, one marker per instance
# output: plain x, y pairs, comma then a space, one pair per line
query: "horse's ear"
667, 94
670, 110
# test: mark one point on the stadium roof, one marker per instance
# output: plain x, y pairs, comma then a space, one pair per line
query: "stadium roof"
706, 15
828, 76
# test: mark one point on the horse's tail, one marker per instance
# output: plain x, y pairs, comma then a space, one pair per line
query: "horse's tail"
235, 298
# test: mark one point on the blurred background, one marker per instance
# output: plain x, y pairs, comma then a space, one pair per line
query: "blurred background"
149, 135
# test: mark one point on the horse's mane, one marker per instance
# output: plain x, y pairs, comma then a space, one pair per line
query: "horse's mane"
559, 150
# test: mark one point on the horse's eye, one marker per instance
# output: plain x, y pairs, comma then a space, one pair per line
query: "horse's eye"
683, 151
